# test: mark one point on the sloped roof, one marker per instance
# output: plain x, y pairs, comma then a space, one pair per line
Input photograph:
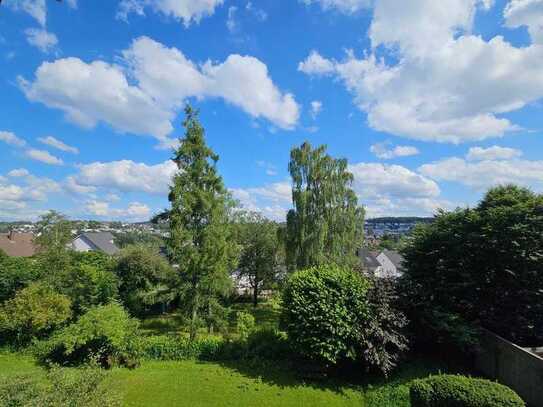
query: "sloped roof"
368, 259
18, 244
102, 241
395, 257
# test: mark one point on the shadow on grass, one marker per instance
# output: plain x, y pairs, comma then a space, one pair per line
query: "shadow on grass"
285, 374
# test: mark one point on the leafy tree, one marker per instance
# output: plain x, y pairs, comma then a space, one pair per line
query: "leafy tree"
53, 231
142, 238
145, 277
16, 273
326, 224
34, 312
87, 286
53, 236
480, 267
260, 257
200, 242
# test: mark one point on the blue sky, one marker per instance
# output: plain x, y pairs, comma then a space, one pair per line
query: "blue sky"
431, 102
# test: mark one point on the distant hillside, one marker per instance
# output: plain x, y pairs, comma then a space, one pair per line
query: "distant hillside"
400, 219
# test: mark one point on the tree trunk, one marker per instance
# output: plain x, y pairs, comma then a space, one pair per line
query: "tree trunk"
255, 295
194, 319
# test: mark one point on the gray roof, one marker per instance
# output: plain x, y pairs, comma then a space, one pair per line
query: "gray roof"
102, 241
395, 257
369, 260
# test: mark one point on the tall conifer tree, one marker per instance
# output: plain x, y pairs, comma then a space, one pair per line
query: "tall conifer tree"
199, 239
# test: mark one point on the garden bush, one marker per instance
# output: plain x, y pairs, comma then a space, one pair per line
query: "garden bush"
334, 316
34, 312
163, 347
82, 387
324, 310
105, 333
267, 343
245, 324
461, 391
15, 274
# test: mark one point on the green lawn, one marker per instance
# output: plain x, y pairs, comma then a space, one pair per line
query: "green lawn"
196, 384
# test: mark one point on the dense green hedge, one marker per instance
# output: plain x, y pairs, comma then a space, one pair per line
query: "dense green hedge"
165, 347
260, 344
461, 391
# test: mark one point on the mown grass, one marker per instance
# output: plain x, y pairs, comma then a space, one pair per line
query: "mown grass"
193, 383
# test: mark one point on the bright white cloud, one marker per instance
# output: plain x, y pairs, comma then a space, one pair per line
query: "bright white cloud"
169, 77
448, 85
41, 39
393, 190
37, 9
71, 186
527, 13
316, 108
127, 176
316, 64
492, 153
11, 139
187, 11
90, 93
43, 156
18, 172
385, 152
59, 145
481, 175
344, 6
134, 211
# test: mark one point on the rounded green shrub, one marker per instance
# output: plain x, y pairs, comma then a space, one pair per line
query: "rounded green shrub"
105, 333
33, 313
461, 391
324, 311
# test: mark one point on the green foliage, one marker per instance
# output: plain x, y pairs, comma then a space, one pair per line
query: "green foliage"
324, 311
333, 315
126, 239
245, 324
461, 391
34, 312
53, 232
326, 224
163, 347
200, 242
145, 277
105, 332
382, 335
268, 344
82, 387
16, 273
261, 254
87, 286
479, 267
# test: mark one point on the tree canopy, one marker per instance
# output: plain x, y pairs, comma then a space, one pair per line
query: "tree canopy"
326, 224
199, 241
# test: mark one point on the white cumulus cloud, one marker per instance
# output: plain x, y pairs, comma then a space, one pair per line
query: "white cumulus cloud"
386, 152
187, 11
59, 145
492, 153
41, 39
43, 156
444, 84
127, 176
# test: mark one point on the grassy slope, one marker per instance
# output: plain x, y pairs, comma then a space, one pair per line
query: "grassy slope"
196, 384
